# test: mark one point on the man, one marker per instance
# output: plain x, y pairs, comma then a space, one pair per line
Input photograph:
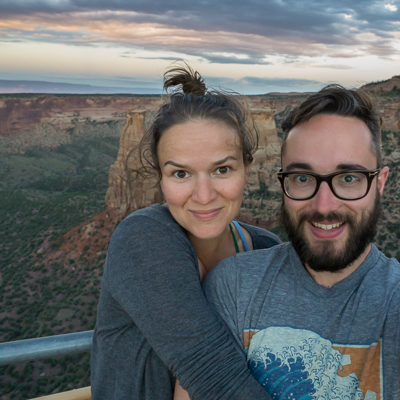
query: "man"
319, 317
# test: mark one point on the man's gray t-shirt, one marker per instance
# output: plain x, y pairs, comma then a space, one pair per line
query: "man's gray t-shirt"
154, 322
304, 341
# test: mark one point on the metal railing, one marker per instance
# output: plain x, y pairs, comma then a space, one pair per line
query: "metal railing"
47, 347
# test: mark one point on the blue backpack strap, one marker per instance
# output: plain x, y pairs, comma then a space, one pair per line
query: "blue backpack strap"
241, 234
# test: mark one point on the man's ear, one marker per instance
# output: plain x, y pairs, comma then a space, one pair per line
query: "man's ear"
382, 177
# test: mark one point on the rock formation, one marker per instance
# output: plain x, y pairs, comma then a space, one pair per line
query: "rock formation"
127, 192
50, 120
269, 149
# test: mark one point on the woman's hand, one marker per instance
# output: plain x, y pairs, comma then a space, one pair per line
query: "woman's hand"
180, 393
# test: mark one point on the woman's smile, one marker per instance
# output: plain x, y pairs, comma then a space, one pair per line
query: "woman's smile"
206, 215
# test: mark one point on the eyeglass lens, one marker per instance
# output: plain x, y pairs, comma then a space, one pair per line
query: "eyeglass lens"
347, 185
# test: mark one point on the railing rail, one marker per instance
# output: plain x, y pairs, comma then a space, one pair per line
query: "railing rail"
45, 347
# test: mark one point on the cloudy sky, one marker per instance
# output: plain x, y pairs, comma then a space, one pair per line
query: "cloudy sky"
252, 46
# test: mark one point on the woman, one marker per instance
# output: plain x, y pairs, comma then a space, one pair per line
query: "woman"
153, 322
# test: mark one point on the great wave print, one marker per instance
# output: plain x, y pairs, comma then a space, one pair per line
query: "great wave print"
297, 364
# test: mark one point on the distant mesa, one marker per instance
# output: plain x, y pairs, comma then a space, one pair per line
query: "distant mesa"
11, 86
387, 85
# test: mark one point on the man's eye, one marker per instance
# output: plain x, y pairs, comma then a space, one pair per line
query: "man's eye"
302, 178
349, 178
181, 174
223, 170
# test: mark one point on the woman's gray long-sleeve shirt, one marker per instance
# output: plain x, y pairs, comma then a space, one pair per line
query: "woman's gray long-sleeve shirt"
154, 323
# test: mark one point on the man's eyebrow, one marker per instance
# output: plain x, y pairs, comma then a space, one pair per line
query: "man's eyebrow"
219, 162
298, 165
340, 167
344, 167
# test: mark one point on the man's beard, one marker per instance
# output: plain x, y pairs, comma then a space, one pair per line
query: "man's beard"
323, 256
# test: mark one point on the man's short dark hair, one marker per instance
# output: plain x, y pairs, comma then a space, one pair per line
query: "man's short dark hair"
337, 100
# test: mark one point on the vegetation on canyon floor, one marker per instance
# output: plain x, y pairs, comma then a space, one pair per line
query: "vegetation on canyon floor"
45, 193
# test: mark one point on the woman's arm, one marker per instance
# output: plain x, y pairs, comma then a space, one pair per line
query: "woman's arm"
180, 393
151, 271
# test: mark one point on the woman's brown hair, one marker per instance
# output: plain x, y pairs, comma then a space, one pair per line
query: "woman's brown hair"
188, 100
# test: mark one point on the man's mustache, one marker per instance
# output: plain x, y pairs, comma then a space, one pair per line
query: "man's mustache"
333, 216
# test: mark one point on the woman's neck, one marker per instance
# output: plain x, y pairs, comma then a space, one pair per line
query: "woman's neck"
212, 251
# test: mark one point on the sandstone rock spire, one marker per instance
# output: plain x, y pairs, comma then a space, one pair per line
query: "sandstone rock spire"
124, 193
267, 156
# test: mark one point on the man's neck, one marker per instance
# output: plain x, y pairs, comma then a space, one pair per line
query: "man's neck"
328, 279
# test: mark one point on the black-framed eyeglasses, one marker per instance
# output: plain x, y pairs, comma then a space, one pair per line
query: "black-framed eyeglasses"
345, 185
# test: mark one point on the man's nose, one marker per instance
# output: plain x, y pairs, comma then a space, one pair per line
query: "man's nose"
204, 191
325, 201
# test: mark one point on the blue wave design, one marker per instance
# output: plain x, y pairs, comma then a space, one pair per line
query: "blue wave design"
283, 381
306, 369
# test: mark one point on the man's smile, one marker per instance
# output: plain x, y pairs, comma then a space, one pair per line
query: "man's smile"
327, 227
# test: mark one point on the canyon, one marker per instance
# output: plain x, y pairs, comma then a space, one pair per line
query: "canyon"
66, 182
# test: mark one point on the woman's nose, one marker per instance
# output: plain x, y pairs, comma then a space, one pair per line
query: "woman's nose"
204, 191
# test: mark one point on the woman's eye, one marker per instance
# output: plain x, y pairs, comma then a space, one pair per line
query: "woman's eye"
223, 170
181, 174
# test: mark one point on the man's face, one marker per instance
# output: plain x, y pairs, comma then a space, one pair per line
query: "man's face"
328, 233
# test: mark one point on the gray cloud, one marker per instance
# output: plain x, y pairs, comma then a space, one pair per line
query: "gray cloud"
160, 58
282, 82
234, 60
256, 85
344, 55
258, 28
332, 66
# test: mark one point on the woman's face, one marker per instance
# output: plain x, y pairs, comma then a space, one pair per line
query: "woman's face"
203, 176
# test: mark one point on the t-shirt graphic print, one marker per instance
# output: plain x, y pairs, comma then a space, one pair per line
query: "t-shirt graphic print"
298, 364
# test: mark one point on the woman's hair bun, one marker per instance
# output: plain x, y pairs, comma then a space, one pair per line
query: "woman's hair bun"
186, 79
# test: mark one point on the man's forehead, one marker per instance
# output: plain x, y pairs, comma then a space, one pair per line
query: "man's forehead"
329, 141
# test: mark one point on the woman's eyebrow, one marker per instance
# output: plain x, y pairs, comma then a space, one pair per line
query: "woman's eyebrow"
173, 163
219, 162
224, 160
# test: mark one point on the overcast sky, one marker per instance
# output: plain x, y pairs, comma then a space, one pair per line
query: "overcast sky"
252, 46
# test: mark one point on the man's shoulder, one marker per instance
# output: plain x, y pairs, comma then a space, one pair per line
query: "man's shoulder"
264, 257
388, 268
262, 238
253, 262
388, 271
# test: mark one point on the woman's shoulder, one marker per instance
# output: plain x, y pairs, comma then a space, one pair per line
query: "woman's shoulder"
155, 218
262, 238
154, 214
151, 235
